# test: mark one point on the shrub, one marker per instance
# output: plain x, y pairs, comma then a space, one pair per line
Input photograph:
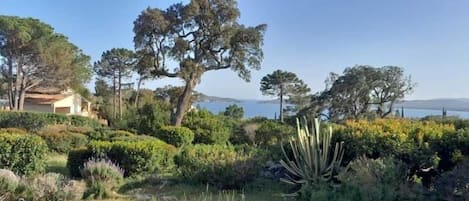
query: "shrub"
135, 157
76, 120
379, 179
454, 184
13, 131
175, 135
52, 187
207, 128
417, 143
220, 165
25, 120
24, 154
244, 133
76, 159
152, 116
271, 132
102, 176
8, 181
107, 134
35, 121
315, 157
62, 141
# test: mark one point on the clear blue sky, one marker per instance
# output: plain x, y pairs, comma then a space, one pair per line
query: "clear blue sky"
429, 38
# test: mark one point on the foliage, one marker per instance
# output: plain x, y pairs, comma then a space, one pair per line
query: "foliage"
198, 37
152, 116
363, 91
116, 64
271, 133
283, 83
25, 120
418, 143
102, 176
454, 184
220, 165
32, 121
52, 187
314, 159
174, 135
234, 111
62, 141
13, 131
379, 179
44, 57
207, 128
76, 159
24, 154
138, 157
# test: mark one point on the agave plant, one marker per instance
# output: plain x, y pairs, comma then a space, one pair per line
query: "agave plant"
314, 159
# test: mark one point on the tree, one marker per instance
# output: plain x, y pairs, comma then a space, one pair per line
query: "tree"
282, 83
171, 94
363, 91
201, 36
234, 111
34, 55
116, 64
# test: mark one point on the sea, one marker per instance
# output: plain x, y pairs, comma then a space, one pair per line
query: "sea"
255, 108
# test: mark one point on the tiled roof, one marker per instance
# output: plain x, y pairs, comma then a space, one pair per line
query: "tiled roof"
44, 98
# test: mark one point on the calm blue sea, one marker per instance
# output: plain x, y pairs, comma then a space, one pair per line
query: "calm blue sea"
253, 108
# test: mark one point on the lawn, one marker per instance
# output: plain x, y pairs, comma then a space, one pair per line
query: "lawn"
170, 188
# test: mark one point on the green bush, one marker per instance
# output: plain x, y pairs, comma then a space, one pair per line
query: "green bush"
175, 135
13, 131
135, 157
220, 165
271, 133
26, 120
24, 154
76, 159
454, 184
35, 121
207, 128
62, 141
152, 117
102, 177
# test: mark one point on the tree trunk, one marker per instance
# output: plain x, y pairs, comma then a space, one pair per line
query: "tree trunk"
281, 104
114, 97
120, 94
138, 91
11, 97
17, 91
21, 99
184, 101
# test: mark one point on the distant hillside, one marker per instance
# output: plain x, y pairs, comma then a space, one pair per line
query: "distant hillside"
206, 98
456, 104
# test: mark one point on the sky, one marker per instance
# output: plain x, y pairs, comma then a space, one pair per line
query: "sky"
428, 38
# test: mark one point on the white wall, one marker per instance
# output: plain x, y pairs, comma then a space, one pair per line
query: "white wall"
73, 101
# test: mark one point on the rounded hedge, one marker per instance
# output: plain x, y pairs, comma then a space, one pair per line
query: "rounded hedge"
207, 128
175, 135
225, 167
134, 157
24, 154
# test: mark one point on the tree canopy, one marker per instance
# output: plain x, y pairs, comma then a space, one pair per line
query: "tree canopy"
362, 91
115, 65
283, 83
197, 37
34, 55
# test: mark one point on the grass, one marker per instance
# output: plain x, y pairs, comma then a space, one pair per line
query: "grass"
169, 188
57, 163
